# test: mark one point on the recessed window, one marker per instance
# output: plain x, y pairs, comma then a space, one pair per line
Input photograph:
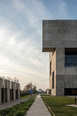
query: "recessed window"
70, 57
70, 91
50, 68
52, 80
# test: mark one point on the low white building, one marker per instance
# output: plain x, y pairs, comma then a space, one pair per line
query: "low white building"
9, 90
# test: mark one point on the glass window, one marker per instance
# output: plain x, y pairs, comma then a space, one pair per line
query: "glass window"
53, 80
50, 68
71, 57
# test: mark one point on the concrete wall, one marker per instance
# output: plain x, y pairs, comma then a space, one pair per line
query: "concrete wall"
59, 33
64, 77
47, 91
14, 97
52, 59
18, 88
8, 90
60, 71
7, 85
1, 85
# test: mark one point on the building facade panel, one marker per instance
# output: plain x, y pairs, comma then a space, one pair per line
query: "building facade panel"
59, 33
60, 40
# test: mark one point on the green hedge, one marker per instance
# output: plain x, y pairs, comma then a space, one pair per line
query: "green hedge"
17, 110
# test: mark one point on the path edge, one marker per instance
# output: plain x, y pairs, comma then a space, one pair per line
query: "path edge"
50, 110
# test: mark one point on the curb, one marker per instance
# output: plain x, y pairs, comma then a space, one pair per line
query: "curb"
49, 108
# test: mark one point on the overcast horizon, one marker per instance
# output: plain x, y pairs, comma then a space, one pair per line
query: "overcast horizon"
21, 53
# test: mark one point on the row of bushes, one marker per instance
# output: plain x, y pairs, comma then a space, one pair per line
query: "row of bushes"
23, 94
17, 110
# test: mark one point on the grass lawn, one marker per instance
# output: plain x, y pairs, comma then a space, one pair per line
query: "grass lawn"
58, 105
28, 96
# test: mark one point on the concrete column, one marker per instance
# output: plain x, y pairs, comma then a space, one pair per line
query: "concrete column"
3, 90
47, 91
10, 91
18, 91
8, 95
7, 85
0, 95
1, 84
14, 96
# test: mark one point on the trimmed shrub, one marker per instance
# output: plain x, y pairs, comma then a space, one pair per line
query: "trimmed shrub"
17, 110
20, 113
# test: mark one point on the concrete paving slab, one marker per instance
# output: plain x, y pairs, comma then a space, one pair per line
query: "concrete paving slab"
72, 105
38, 108
11, 103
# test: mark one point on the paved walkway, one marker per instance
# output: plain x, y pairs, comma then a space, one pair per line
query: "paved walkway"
11, 103
38, 108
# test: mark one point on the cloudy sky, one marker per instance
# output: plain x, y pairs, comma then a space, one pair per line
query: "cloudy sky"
21, 37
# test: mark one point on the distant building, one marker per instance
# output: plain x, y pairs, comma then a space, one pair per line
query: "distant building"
60, 40
9, 90
40, 91
48, 91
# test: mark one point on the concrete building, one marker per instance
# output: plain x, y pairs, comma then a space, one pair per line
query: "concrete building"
9, 90
60, 40
48, 91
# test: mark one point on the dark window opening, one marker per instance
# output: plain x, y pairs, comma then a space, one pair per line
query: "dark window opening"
16, 94
70, 57
3, 95
53, 80
70, 91
50, 68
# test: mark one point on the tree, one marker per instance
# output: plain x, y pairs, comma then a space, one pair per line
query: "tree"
26, 90
28, 87
16, 80
34, 89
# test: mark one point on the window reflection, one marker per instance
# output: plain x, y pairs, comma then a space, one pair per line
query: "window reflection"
70, 57
70, 60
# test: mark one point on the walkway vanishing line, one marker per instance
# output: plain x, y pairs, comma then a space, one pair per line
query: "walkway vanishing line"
38, 108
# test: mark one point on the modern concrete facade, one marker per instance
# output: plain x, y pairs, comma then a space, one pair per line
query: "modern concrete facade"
9, 90
60, 40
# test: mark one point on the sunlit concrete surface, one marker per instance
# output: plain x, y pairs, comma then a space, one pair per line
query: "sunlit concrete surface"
72, 105
38, 108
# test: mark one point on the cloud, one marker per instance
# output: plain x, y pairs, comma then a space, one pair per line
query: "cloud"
21, 58
34, 12
20, 43
21, 40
